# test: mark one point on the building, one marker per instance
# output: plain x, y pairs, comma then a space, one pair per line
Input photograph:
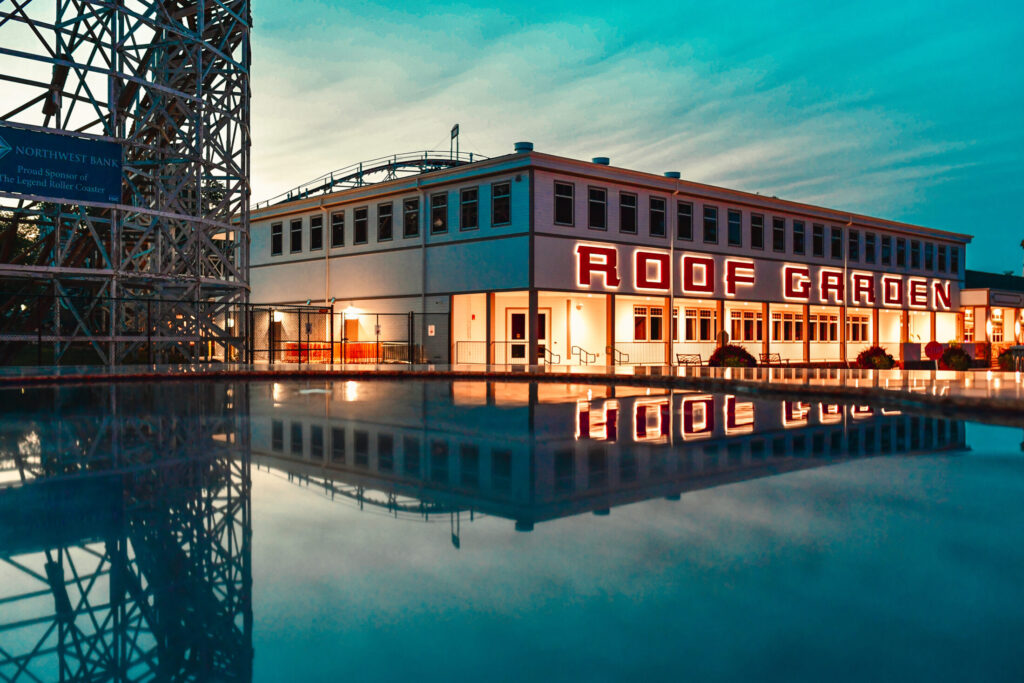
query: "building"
992, 306
541, 258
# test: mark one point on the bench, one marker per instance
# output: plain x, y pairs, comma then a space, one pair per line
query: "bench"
689, 359
772, 359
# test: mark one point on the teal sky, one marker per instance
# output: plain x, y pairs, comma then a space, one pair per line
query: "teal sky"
909, 110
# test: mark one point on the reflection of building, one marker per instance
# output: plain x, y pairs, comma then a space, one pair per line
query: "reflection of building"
538, 257
125, 535
536, 453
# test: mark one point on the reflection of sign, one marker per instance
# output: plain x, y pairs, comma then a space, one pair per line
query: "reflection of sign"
431, 330
59, 166
933, 350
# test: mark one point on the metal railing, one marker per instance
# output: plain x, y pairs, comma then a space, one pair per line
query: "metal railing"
618, 356
584, 356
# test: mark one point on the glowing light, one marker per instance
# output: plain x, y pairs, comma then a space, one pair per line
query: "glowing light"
352, 313
351, 391
278, 316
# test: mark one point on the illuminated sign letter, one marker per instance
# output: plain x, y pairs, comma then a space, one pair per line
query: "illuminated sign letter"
863, 288
699, 275
646, 261
603, 261
830, 282
796, 282
892, 291
941, 295
738, 273
918, 293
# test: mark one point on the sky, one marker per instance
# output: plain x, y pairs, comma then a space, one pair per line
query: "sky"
911, 111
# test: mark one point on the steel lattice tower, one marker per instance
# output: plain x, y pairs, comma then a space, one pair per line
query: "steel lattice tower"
163, 273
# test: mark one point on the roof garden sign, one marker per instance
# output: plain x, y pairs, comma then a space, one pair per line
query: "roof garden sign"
59, 167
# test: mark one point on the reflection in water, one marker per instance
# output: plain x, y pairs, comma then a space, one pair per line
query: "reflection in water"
125, 534
532, 453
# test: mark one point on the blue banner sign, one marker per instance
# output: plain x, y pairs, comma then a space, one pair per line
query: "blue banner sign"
60, 167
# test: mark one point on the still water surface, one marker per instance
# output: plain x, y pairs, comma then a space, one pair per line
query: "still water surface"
489, 531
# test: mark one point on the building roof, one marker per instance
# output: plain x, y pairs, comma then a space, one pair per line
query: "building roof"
979, 279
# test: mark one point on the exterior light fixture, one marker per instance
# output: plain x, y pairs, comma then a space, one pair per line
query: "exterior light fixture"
351, 313
278, 316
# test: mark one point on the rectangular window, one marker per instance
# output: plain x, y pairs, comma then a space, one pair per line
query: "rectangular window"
360, 226
857, 328
411, 455
929, 256
756, 231
837, 243
385, 226
854, 241
954, 260
886, 250
297, 438
316, 232
799, 243
361, 448
438, 213
968, 324
657, 326
711, 224
276, 239
385, 453
942, 258
684, 220
735, 228
338, 229
316, 442
787, 327
997, 326
915, 254
501, 204
869, 247
469, 215
778, 234
277, 435
564, 203
747, 326
639, 323
699, 325
648, 323
656, 214
597, 208
338, 445
901, 253
627, 213
411, 217
295, 243
818, 240
823, 327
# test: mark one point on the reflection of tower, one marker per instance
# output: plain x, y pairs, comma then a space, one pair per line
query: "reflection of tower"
125, 543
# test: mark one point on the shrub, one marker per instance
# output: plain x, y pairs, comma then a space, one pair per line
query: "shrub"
955, 358
875, 358
731, 356
1005, 360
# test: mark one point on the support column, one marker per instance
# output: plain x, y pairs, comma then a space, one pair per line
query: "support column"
489, 351
842, 333
668, 330
875, 333
932, 326
609, 329
807, 332
904, 330
766, 328
720, 321
531, 326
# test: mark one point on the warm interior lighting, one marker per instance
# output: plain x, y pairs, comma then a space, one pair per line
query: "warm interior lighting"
278, 316
352, 313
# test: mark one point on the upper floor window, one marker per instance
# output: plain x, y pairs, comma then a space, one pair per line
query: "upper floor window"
684, 220
854, 240
296, 236
627, 213
316, 232
929, 256
837, 242
469, 215
360, 226
338, 229
757, 231
901, 253
411, 217
439, 212
799, 243
886, 250
735, 236
915, 254
597, 208
276, 239
564, 203
385, 223
954, 260
942, 258
501, 204
711, 224
778, 234
869, 247
656, 216
818, 240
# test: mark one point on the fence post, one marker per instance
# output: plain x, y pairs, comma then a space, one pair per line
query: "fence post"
409, 336
376, 331
270, 336
330, 323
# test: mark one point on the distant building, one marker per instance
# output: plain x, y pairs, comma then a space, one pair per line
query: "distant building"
992, 306
542, 258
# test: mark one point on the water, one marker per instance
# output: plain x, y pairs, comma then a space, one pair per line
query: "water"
473, 531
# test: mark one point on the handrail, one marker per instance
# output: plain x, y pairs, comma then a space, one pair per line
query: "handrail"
618, 357
550, 357
586, 358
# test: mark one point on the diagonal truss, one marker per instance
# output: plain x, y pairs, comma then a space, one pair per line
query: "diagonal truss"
164, 268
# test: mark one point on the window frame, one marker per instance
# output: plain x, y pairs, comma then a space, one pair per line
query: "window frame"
295, 230
680, 222
414, 213
652, 212
364, 221
734, 239
337, 228
592, 203
277, 231
886, 251
315, 229
567, 200
757, 231
799, 237
710, 220
818, 240
497, 198
836, 237
779, 234
853, 245
472, 205
870, 248
915, 254
625, 209
439, 208
389, 223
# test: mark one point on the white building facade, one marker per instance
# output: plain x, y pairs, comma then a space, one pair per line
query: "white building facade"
536, 258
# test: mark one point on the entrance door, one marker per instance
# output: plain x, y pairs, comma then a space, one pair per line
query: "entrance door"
518, 335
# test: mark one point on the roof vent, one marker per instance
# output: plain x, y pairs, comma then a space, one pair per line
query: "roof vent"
672, 174
523, 147
604, 161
